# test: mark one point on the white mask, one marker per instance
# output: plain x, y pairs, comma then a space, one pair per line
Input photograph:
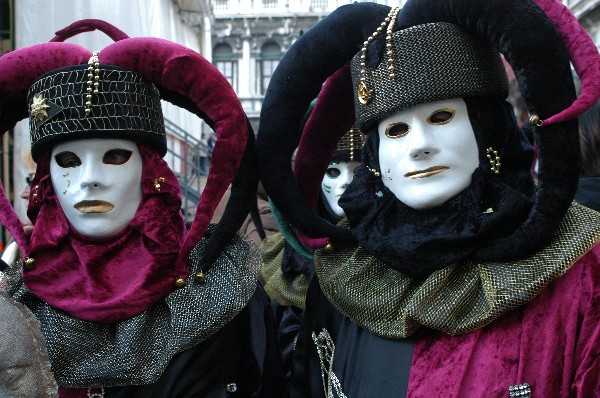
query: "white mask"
428, 153
335, 182
98, 184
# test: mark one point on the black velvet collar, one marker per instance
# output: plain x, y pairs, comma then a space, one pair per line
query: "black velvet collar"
416, 242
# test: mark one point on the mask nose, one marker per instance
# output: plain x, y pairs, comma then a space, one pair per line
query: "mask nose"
90, 177
88, 185
346, 179
421, 141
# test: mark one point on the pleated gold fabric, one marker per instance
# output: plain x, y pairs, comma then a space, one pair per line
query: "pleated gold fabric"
284, 289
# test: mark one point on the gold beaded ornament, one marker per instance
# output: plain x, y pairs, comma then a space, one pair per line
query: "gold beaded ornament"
365, 94
157, 182
494, 158
535, 120
93, 80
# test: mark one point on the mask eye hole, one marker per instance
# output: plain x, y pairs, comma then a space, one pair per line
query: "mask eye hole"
441, 116
397, 130
116, 156
67, 160
333, 172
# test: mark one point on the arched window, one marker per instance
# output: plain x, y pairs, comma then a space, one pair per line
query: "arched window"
270, 55
224, 61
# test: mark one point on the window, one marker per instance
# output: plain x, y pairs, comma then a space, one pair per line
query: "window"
318, 4
269, 59
269, 3
5, 44
221, 4
224, 61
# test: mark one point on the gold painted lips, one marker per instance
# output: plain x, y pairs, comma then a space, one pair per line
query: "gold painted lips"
431, 171
94, 206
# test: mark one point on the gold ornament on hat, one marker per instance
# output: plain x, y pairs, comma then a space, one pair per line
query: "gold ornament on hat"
93, 81
38, 108
365, 94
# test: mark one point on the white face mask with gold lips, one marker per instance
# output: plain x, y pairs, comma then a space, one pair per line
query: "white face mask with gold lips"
428, 153
98, 184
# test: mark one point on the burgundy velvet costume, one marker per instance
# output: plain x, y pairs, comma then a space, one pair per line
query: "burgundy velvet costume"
143, 313
552, 343
548, 341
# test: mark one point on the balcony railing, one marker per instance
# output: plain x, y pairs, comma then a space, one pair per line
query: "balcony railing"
189, 158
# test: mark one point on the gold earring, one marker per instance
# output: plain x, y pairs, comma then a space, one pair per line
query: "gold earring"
375, 172
157, 182
494, 158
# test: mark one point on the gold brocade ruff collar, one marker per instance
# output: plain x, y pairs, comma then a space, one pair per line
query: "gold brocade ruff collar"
460, 298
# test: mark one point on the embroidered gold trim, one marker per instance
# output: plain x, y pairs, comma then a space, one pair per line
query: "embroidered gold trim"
326, 351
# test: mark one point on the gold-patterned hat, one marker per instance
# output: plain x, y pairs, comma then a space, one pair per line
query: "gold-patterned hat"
450, 63
94, 101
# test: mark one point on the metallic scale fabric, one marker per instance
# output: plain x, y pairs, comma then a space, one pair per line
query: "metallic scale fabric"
474, 69
24, 364
138, 349
389, 304
349, 147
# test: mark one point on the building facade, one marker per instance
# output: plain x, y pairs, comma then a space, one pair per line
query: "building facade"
588, 14
249, 37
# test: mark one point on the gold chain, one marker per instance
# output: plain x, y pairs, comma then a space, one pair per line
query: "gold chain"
364, 92
93, 81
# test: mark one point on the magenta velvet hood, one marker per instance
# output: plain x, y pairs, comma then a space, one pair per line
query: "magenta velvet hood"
182, 77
